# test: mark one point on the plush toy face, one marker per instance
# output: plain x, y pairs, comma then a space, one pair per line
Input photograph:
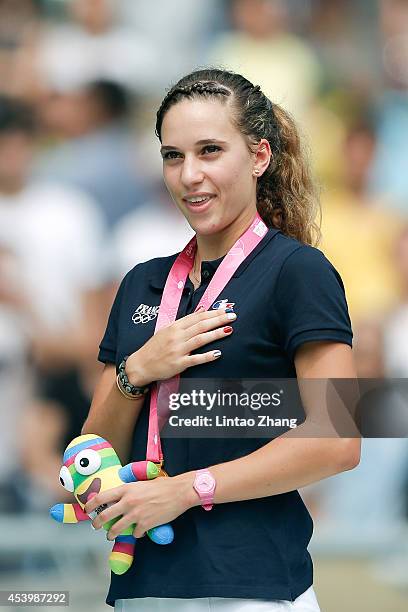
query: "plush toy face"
90, 466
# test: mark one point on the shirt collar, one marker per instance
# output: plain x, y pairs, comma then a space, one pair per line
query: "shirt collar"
158, 276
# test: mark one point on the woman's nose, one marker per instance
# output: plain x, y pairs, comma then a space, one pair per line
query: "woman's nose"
191, 172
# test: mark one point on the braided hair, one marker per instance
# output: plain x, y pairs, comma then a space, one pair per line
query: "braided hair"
286, 186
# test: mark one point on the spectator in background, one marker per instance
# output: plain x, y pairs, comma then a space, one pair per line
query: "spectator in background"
94, 151
96, 45
181, 31
370, 506
52, 307
365, 241
39, 224
262, 47
396, 326
19, 30
342, 36
14, 367
389, 175
354, 218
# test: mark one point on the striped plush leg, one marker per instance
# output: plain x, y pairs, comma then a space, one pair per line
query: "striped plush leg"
121, 557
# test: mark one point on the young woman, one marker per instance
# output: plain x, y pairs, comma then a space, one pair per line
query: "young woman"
232, 163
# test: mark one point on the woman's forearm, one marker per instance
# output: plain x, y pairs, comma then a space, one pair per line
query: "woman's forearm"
112, 416
284, 464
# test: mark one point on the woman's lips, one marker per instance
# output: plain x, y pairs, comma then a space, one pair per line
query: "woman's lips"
199, 207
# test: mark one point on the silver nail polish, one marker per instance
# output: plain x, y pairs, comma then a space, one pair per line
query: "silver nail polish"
231, 316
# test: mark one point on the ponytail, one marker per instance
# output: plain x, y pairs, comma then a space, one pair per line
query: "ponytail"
287, 185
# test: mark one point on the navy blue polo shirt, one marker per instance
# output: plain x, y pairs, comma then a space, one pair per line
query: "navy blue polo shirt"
285, 294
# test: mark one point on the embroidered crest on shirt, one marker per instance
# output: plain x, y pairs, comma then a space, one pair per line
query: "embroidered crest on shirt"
229, 306
145, 313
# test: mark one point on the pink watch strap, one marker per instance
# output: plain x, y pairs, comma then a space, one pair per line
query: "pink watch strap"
207, 499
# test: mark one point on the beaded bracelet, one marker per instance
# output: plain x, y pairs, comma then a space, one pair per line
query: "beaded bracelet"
125, 387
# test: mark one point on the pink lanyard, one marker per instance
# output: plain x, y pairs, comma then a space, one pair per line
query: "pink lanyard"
169, 305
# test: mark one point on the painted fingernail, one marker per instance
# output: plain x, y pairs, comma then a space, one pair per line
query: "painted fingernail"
231, 316
217, 353
227, 329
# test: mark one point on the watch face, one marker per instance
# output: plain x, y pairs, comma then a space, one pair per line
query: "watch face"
205, 483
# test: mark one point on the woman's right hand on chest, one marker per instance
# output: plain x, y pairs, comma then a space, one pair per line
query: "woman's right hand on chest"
168, 352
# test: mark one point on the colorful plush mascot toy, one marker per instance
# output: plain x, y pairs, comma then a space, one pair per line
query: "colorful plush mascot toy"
90, 466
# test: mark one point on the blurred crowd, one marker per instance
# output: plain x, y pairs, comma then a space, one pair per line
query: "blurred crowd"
82, 199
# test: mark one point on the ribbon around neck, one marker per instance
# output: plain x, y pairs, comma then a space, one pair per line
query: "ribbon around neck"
173, 290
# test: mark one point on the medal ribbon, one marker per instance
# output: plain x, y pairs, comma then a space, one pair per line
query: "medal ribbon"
169, 305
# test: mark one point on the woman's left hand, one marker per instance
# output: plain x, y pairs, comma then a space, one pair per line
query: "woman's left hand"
146, 503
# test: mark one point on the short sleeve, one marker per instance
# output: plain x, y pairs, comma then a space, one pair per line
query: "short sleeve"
310, 301
107, 347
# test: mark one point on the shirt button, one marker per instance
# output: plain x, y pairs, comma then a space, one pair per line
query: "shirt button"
205, 274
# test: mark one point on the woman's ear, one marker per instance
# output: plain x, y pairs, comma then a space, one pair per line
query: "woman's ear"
262, 157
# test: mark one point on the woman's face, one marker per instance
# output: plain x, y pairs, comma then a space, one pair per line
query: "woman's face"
206, 158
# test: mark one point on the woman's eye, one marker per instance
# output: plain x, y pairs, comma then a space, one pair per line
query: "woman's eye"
212, 148
171, 155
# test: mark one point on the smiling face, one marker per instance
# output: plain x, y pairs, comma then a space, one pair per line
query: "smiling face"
206, 158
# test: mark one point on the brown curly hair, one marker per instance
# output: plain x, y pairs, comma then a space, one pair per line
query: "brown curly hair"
286, 188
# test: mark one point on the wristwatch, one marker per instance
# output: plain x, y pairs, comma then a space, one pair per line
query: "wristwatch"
204, 484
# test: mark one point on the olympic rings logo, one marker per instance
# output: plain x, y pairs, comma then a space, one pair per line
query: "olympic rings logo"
144, 314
